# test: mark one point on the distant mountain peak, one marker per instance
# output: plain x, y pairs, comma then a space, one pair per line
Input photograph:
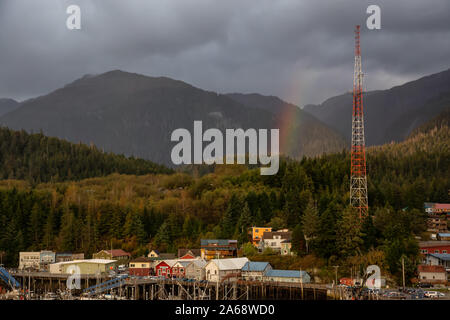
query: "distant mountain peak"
135, 114
390, 115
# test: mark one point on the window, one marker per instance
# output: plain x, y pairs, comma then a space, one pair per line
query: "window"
143, 265
132, 265
436, 251
444, 251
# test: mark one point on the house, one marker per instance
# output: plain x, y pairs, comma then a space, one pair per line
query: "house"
179, 268
116, 254
189, 253
257, 234
164, 268
295, 276
140, 267
438, 217
437, 223
434, 247
278, 241
156, 255
254, 271
432, 274
68, 256
222, 269
29, 260
438, 259
218, 248
153, 254
196, 269
85, 267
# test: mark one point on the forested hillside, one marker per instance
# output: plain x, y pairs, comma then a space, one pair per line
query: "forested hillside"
170, 211
37, 158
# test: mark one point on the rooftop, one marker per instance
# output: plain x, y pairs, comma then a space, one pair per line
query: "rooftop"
141, 259
194, 252
425, 268
444, 234
425, 244
118, 253
229, 264
184, 262
98, 261
286, 273
217, 242
441, 256
255, 266
200, 263
285, 235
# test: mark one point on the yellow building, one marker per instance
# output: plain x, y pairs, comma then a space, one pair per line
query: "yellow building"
85, 267
257, 234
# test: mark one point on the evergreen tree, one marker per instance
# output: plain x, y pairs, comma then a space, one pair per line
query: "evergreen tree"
229, 221
310, 223
245, 221
349, 234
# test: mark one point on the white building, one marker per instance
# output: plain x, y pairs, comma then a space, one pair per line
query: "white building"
278, 241
84, 267
221, 269
432, 274
29, 260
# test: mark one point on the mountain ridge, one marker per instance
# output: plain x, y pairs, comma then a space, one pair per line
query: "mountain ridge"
390, 115
134, 114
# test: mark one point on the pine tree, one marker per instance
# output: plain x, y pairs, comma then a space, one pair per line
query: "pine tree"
228, 226
310, 223
245, 221
349, 234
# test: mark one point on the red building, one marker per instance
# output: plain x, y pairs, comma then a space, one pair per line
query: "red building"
434, 247
189, 253
164, 268
140, 267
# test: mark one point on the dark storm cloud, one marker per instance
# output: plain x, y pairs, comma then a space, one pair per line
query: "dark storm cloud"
299, 50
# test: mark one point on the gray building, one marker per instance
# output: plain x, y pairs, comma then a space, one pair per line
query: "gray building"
254, 271
196, 270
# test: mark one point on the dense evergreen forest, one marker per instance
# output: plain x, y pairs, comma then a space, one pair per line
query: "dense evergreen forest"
37, 158
140, 212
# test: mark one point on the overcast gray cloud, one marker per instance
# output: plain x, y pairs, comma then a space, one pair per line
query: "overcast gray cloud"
299, 50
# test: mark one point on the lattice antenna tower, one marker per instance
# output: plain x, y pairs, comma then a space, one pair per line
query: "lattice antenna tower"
358, 178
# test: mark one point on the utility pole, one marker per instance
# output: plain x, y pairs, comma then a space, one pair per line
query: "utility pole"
336, 272
403, 271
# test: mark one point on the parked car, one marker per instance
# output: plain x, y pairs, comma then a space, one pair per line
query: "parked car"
395, 295
434, 294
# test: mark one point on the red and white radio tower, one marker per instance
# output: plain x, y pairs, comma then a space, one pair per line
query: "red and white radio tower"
358, 179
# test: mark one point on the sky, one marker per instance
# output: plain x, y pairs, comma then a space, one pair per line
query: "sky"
299, 50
